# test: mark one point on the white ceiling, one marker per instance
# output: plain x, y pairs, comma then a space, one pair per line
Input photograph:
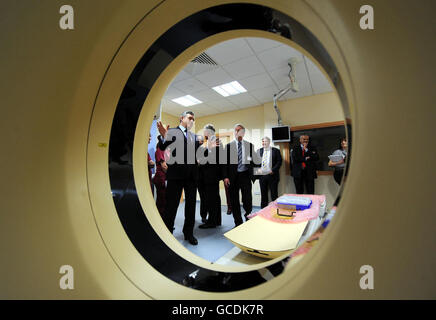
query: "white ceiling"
259, 65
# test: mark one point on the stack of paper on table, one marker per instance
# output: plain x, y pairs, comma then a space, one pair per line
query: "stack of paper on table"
316, 209
265, 238
269, 236
294, 202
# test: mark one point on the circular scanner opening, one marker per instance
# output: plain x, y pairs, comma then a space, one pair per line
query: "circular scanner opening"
261, 67
279, 66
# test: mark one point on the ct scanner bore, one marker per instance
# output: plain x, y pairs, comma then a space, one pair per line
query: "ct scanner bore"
44, 232
201, 25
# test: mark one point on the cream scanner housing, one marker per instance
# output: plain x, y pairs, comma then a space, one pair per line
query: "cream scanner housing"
60, 89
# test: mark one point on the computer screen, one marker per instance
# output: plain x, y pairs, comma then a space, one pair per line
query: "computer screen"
281, 134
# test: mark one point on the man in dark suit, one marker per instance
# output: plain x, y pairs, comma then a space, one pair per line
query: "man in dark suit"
182, 172
268, 173
241, 157
210, 174
304, 158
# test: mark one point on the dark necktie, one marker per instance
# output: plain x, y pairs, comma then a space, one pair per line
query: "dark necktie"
304, 165
240, 165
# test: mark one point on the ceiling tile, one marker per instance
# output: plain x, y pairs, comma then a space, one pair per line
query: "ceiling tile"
281, 78
199, 68
190, 86
265, 95
175, 111
166, 103
258, 81
320, 84
214, 78
243, 100
221, 103
260, 65
229, 51
171, 105
312, 68
207, 95
208, 110
278, 57
303, 92
173, 93
245, 68
262, 44
183, 75
179, 109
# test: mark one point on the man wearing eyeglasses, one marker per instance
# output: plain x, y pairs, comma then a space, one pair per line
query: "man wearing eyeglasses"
182, 173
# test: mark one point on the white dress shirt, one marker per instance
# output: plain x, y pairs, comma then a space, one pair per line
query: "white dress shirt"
183, 130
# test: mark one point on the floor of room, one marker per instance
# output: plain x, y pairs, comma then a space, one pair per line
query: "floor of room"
212, 244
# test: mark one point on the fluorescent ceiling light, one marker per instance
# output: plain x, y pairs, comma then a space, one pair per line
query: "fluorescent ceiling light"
230, 89
187, 101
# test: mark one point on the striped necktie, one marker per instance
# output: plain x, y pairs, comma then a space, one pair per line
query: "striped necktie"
265, 160
240, 165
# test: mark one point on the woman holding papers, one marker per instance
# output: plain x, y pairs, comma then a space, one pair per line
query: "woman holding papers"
337, 160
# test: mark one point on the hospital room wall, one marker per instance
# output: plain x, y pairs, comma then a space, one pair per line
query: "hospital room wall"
314, 109
167, 118
295, 112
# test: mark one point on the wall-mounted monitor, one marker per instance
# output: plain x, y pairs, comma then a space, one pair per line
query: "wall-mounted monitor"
281, 134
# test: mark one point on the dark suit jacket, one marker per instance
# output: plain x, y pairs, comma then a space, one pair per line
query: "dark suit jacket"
182, 163
276, 161
251, 159
210, 169
298, 159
